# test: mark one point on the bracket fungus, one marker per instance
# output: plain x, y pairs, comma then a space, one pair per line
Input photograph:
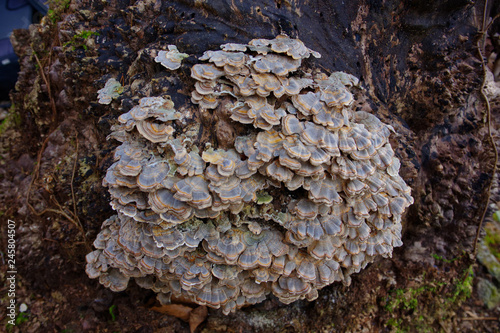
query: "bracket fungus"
112, 89
172, 58
309, 195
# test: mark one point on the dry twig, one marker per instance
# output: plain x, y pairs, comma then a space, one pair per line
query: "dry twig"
480, 47
75, 220
73, 178
47, 83
480, 318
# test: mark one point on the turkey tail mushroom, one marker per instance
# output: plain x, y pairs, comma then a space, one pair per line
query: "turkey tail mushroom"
308, 196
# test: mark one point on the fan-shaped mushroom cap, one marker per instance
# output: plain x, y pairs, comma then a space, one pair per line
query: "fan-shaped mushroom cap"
204, 88
274, 63
318, 156
125, 196
230, 246
221, 58
214, 295
112, 89
313, 134
114, 280
152, 107
214, 176
308, 103
329, 118
204, 72
250, 186
278, 172
114, 178
234, 47
245, 85
153, 131
132, 168
193, 190
152, 175
346, 142
228, 191
208, 101
291, 125
128, 239
305, 209
169, 239
309, 170
193, 164
240, 114
267, 144
249, 258
354, 187
289, 162
171, 59
283, 44
148, 216
325, 191
226, 161
335, 96
267, 83
294, 285
163, 201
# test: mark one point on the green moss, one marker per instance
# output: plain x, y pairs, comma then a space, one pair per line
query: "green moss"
492, 240
418, 308
13, 119
406, 299
463, 287
79, 40
396, 324
263, 198
56, 9
496, 216
438, 257
21, 318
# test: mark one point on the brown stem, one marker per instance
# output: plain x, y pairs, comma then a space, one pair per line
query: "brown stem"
480, 46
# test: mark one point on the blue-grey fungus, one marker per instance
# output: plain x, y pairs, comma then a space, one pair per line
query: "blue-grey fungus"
310, 195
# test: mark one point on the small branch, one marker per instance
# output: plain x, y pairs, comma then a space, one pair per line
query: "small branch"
480, 318
480, 45
50, 240
47, 83
75, 221
36, 173
72, 179
60, 211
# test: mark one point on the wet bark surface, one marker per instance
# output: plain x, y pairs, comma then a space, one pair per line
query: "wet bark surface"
418, 64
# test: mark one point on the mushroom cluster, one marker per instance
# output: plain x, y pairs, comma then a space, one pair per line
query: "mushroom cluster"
308, 196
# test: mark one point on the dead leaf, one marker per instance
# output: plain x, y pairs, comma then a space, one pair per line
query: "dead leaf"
177, 310
197, 316
193, 316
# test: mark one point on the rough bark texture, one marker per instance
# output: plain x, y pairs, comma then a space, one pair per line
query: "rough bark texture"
417, 62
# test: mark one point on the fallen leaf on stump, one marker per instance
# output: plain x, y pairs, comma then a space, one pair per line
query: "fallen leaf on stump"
176, 310
197, 316
193, 316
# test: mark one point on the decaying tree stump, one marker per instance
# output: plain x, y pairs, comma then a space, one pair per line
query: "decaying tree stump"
416, 60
